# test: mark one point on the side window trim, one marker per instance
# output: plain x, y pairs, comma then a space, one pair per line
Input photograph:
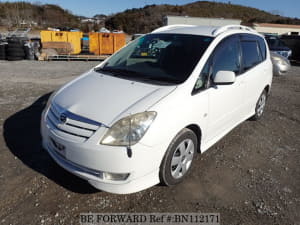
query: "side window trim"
207, 82
240, 56
263, 55
259, 52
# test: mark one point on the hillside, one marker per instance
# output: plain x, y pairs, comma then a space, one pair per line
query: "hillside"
150, 17
14, 14
142, 20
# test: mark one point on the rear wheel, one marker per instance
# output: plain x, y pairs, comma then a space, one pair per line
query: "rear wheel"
178, 159
260, 106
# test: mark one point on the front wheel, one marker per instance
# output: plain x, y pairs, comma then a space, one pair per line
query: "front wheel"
260, 106
178, 158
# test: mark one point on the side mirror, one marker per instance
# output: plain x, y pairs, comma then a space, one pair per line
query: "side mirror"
224, 77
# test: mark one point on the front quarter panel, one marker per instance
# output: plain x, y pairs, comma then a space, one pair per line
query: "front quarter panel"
175, 112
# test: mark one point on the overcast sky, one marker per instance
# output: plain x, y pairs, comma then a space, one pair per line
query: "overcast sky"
89, 8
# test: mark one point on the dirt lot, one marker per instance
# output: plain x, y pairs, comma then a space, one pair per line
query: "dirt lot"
252, 176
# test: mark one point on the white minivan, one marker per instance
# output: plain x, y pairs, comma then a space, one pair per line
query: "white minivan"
139, 117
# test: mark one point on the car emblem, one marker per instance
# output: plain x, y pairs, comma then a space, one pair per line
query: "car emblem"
63, 118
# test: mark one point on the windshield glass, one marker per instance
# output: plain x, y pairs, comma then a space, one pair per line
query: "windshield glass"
163, 58
274, 42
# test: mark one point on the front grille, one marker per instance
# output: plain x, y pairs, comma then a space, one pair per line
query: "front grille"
70, 125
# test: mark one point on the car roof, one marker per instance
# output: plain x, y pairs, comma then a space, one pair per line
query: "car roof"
211, 31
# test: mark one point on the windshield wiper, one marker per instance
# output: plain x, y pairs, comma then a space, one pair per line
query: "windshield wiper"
125, 73
119, 72
165, 79
109, 70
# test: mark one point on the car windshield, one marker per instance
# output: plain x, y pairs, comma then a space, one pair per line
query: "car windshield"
274, 42
158, 58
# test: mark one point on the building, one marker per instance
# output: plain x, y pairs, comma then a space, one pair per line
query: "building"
171, 20
278, 29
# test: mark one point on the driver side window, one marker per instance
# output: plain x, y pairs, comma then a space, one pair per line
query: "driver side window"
226, 56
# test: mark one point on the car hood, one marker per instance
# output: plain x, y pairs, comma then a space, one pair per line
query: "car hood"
105, 98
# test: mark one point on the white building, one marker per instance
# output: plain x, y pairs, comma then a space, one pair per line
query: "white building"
171, 20
271, 28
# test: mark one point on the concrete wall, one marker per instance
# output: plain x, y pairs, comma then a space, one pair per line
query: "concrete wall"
171, 20
276, 30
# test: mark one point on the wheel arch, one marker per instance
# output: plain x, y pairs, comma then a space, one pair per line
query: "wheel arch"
267, 89
197, 130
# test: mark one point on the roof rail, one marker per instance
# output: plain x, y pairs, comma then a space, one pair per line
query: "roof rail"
220, 30
169, 27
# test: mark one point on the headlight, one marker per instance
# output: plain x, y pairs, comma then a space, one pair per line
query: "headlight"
129, 130
279, 61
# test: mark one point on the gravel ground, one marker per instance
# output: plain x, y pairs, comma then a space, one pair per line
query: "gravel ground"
251, 176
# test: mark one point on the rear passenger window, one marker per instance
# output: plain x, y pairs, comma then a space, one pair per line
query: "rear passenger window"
251, 54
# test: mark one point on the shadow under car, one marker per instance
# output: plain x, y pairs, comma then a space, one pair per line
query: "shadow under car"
22, 136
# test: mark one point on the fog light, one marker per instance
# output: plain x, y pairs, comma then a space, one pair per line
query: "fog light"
115, 176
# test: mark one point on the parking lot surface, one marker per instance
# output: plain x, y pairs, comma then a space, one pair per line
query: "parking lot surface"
251, 176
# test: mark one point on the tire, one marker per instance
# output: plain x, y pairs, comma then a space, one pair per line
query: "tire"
15, 45
178, 159
10, 49
16, 42
16, 52
260, 106
19, 40
14, 58
29, 54
21, 55
2, 52
13, 41
2, 49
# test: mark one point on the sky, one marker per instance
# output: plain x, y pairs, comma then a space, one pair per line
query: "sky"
89, 8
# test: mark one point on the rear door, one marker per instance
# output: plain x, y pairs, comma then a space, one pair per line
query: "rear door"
255, 69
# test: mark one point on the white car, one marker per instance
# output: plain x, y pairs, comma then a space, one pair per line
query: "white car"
139, 117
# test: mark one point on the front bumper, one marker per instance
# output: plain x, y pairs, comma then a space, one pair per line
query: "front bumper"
281, 69
90, 159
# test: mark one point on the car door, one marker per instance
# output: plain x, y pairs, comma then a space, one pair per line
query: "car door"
254, 69
225, 100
